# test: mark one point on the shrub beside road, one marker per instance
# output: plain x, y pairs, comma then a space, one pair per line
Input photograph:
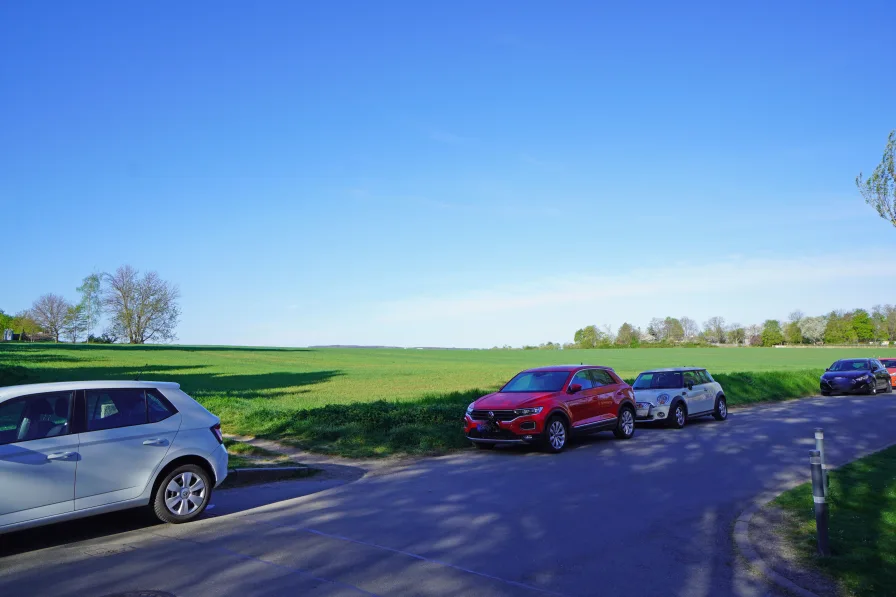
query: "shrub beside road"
862, 498
364, 402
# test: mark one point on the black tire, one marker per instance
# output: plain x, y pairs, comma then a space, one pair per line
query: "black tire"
188, 476
675, 421
483, 446
825, 393
721, 411
554, 441
889, 389
872, 390
625, 424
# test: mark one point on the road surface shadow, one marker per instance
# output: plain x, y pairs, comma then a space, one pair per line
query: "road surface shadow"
102, 527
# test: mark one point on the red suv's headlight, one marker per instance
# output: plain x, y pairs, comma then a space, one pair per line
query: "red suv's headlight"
528, 411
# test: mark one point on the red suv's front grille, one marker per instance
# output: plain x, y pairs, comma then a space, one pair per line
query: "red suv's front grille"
497, 415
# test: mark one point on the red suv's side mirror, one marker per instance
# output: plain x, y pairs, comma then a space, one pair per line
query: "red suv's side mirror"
573, 388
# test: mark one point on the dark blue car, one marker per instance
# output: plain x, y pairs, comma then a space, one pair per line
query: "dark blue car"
855, 376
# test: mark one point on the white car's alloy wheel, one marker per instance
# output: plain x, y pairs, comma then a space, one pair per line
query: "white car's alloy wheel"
185, 494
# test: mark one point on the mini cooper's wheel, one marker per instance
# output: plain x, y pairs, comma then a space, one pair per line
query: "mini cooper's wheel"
484, 446
678, 416
556, 434
721, 412
182, 495
625, 424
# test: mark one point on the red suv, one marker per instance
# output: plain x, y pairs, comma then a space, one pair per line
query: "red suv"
545, 405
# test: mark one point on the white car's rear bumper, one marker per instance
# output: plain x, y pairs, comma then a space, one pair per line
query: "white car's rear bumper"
218, 459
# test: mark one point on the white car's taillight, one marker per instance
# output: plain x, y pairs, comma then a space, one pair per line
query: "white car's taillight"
216, 431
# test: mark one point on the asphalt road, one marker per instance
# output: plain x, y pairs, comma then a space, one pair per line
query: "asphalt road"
650, 516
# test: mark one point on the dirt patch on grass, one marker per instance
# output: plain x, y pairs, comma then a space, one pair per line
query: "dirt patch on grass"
770, 530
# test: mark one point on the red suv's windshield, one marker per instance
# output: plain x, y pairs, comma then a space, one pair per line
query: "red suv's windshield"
537, 381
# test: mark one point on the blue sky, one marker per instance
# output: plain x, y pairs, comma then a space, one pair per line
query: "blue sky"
460, 174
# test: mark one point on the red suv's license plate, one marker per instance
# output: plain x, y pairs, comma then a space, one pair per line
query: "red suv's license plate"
485, 427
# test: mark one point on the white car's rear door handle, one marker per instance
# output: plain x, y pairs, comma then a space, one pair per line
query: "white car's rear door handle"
61, 455
156, 442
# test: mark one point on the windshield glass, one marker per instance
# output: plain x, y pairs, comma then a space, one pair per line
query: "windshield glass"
888, 363
537, 381
666, 380
851, 365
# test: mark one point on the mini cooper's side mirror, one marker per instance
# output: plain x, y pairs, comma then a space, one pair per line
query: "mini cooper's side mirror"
573, 388
690, 385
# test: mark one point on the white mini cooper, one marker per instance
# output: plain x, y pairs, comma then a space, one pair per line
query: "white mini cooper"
676, 395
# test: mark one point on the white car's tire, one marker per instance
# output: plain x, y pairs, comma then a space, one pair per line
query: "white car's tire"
182, 495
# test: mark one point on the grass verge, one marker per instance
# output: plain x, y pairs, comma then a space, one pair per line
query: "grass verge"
373, 402
432, 424
862, 498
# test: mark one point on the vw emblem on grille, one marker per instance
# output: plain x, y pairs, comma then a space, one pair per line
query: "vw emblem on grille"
491, 414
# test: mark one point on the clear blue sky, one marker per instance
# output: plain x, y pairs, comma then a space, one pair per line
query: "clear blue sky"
460, 173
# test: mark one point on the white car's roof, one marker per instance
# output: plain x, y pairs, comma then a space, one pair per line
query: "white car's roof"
674, 369
61, 386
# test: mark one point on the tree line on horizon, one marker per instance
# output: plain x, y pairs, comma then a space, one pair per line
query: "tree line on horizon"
837, 327
137, 309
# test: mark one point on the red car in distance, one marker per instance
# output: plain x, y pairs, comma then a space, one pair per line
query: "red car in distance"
545, 405
890, 364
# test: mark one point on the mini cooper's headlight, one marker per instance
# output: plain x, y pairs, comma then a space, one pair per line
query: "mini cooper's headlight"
662, 398
528, 411
470, 408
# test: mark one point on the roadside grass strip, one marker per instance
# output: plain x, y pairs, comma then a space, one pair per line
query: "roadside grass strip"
862, 501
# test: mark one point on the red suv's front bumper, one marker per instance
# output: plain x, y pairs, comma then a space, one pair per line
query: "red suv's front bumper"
520, 430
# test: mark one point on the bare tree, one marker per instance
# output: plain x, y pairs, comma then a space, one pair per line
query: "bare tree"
690, 327
879, 190
50, 312
141, 308
754, 334
796, 316
714, 329
736, 333
657, 329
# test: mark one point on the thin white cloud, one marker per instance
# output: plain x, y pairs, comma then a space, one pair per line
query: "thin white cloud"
733, 277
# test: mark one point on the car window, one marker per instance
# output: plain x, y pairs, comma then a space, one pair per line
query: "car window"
583, 378
850, 365
601, 378
157, 408
537, 381
113, 408
35, 417
889, 363
665, 380
690, 377
704, 377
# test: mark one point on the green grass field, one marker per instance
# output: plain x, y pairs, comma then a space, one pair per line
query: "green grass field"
379, 401
862, 524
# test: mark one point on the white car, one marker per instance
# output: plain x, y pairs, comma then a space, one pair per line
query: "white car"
76, 449
676, 395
